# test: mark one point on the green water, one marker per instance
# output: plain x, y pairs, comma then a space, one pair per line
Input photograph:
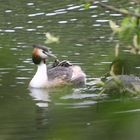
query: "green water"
66, 113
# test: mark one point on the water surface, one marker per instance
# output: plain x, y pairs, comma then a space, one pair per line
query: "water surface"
66, 113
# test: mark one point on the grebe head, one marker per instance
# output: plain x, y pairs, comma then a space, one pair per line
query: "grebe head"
119, 66
40, 54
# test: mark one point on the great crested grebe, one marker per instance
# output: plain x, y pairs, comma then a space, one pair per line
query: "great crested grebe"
56, 74
120, 78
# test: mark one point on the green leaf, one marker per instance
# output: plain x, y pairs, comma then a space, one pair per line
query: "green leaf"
86, 5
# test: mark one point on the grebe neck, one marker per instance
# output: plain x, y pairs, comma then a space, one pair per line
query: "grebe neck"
40, 78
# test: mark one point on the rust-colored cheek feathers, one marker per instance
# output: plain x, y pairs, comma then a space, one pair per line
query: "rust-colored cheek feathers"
35, 52
35, 57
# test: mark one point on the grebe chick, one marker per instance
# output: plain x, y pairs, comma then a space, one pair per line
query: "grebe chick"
57, 74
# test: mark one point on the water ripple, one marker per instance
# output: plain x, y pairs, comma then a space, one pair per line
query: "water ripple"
74, 7
30, 4
3, 69
8, 11
102, 21
36, 14
79, 96
96, 25
94, 16
30, 21
63, 22
60, 10
18, 27
73, 19
128, 111
115, 15
9, 31
30, 30
39, 26
22, 78
93, 6
50, 14
81, 104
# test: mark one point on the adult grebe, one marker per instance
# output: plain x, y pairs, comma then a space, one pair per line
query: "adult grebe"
56, 74
120, 79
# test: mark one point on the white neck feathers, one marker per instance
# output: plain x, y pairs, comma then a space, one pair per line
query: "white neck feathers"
40, 79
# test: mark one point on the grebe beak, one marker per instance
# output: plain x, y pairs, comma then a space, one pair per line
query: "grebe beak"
50, 54
45, 50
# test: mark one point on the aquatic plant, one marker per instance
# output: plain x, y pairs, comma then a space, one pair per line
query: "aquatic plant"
128, 29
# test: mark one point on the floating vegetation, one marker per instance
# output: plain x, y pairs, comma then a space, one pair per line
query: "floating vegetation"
51, 38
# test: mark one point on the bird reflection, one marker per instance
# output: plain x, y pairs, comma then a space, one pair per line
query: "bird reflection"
41, 96
42, 99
